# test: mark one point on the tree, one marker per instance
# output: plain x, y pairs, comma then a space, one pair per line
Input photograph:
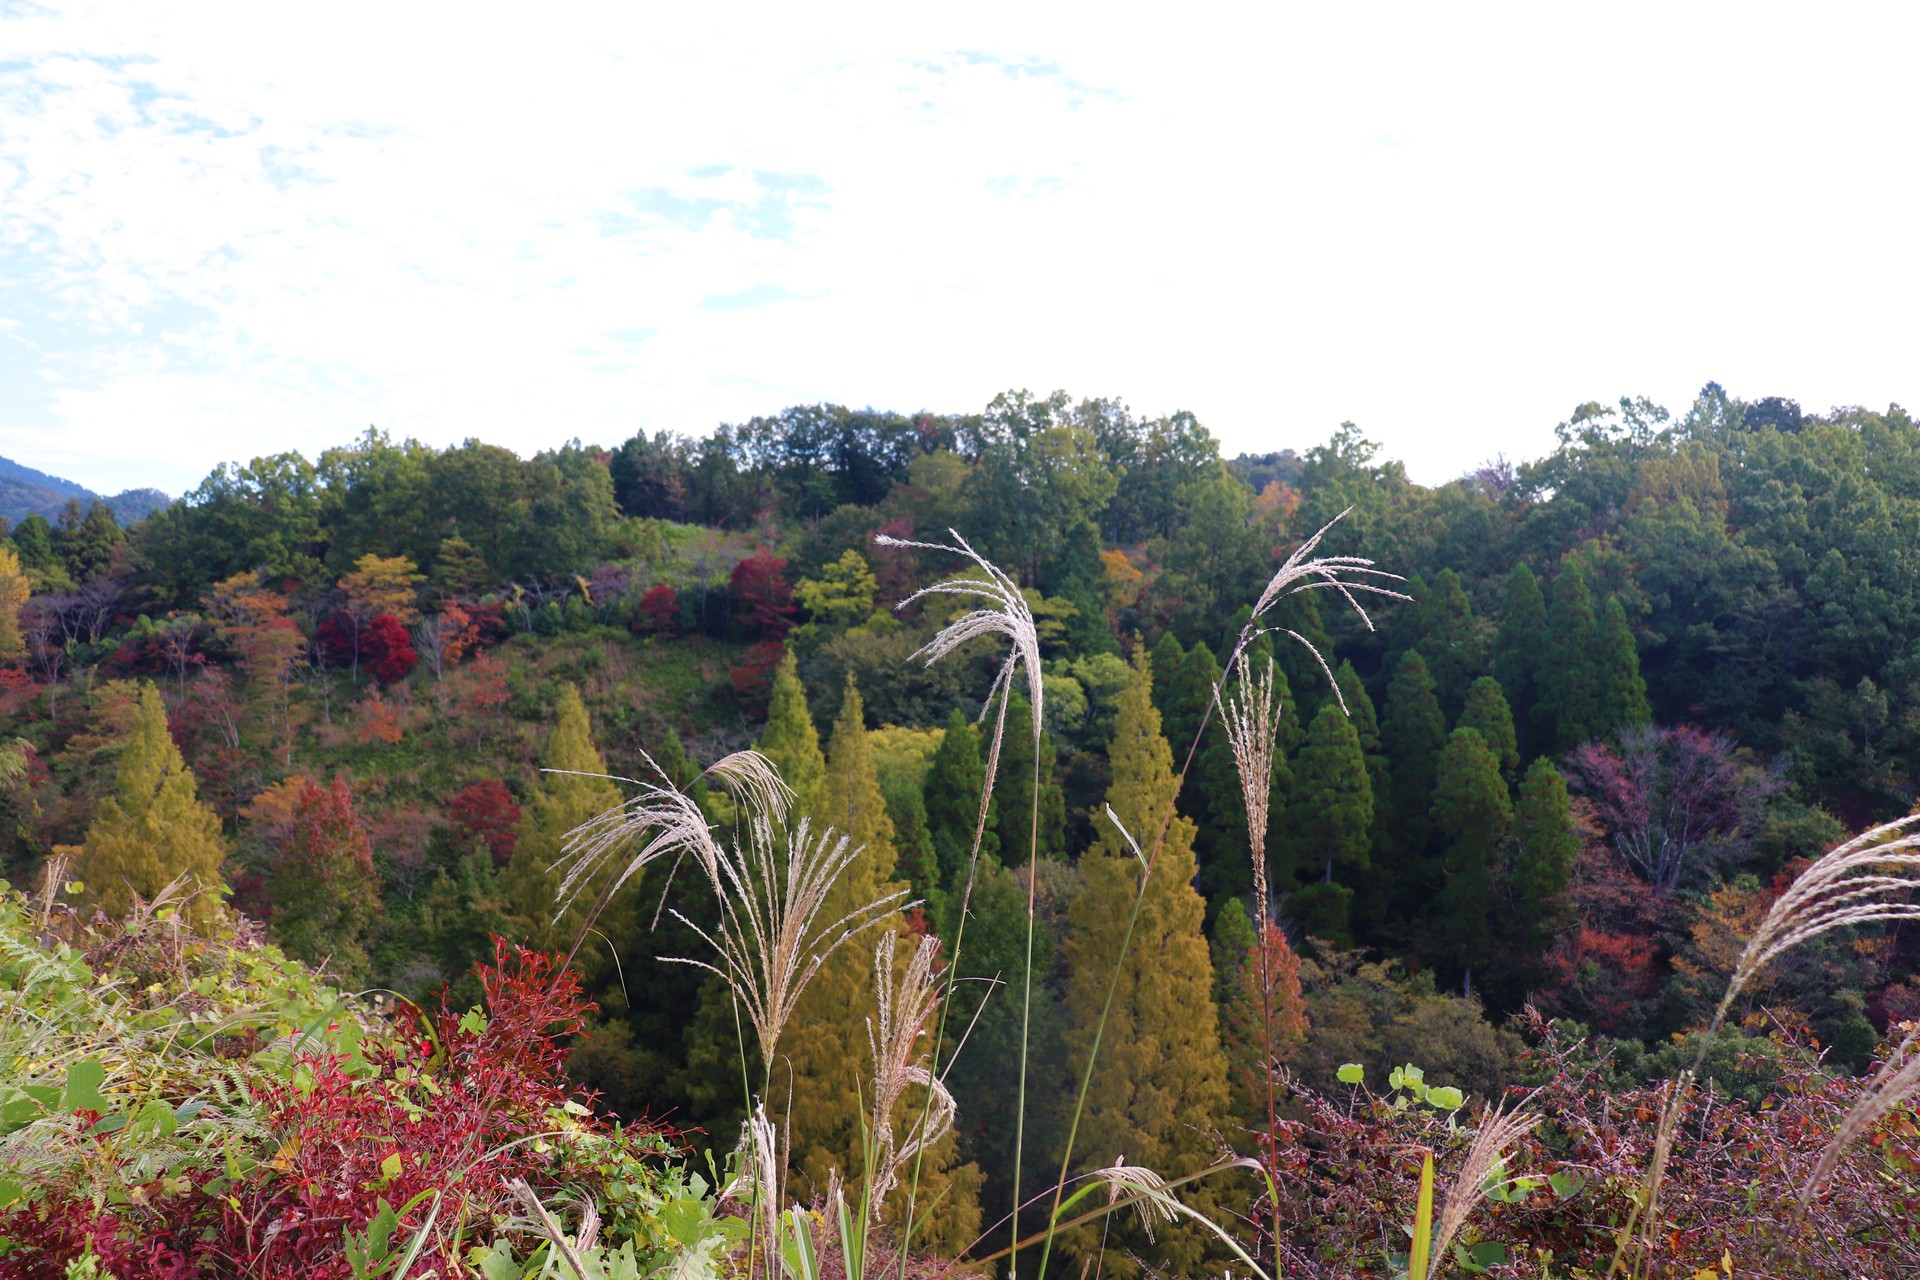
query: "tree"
791, 741
1545, 847
1570, 678
153, 828
954, 782
762, 601
1623, 694
842, 596
254, 622
1520, 646
484, 813
377, 588
460, 572
88, 547
1013, 790
321, 883
1414, 734
564, 798
1263, 1019
1158, 1088
1450, 639
1471, 812
14, 590
658, 612
1488, 714
1329, 821
1376, 894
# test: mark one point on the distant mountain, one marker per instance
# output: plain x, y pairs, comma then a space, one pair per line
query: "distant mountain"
24, 491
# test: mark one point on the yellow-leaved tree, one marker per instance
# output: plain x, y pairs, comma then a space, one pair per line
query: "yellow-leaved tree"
1158, 1093
154, 827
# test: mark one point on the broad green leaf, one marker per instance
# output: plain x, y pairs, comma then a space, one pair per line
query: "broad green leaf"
1446, 1097
1350, 1073
83, 1087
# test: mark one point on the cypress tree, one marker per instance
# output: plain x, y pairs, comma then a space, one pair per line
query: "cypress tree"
1488, 714
1232, 937
1623, 693
790, 740
1167, 657
153, 828
1408, 622
1471, 811
1570, 679
825, 1042
562, 801
1375, 894
953, 787
1263, 1018
1414, 733
1545, 847
1013, 790
1158, 1086
1519, 644
1450, 640
1329, 821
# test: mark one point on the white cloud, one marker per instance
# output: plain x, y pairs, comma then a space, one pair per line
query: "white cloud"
230, 235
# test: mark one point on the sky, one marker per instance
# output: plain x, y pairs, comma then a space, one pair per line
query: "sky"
228, 230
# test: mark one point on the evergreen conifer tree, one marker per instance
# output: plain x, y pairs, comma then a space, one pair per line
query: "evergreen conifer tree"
560, 802
1231, 939
1329, 822
954, 780
1374, 898
1570, 677
1450, 640
1013, 790
1263, 1018
1488, 713
1167, 657
1158, 1086
791, 741
1472, 813
1623, 693
1414, 733
1519, 646
1545, 847
153, 828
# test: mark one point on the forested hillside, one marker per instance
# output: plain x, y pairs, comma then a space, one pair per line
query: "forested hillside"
1634, 685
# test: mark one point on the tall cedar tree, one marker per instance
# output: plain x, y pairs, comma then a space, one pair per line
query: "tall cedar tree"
1329, 823
1450, 640
954, 780
1623, 693
1414, 734
1519, 648
1472, 813
322, 884
153, 828
1375, 896
986, 997
559, 803
1212, 795
1158, 1090
1230, 937
1489, 714
1570, 677
791, 741
1545, 847
1013, 790
1263, 1019
826, 1042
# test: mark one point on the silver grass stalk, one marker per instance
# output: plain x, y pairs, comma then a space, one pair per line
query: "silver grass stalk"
770, 941
1302, 571
906, 1002
1499, 1130
757, 1165
1251, 717
661, 821
1153, 1198
1897, 1080
1858, 882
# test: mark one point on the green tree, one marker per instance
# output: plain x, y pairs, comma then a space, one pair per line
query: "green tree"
14, 590
1414, 733
1329, 821
1013, 790
1520, 646
1623, 694
1158, 1087
88, 547
1488, 714
1376, 893
560, 802
1471, 812
1545, 847
1231, 939
153, 828
1570, 677
790, 740
953, 788
1450, 639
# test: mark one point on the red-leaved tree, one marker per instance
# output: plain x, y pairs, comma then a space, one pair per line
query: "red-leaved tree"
763, 606
485, 811
658, 612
